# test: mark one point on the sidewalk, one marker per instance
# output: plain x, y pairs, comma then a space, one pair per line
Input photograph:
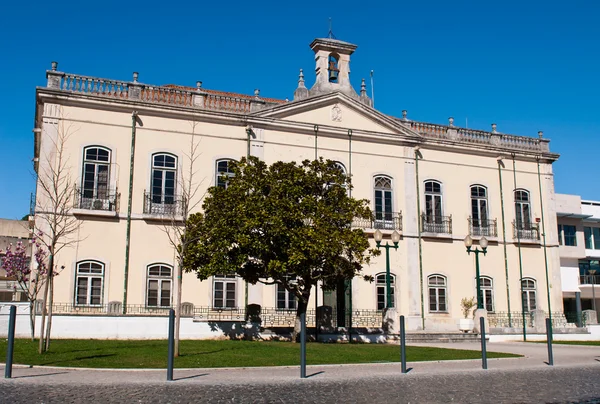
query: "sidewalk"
535, 356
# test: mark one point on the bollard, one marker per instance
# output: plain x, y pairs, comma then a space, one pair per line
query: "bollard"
303, 345
549, 340
483, 345
12, 318
171, 345
402, 344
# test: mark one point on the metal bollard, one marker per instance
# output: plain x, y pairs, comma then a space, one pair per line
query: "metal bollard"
402, 344
12, 318
303, 346
171, 345
483, 344
549, 340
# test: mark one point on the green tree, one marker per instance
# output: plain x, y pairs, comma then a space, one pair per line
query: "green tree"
270, 222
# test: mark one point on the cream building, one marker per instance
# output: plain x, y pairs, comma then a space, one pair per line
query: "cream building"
434, 184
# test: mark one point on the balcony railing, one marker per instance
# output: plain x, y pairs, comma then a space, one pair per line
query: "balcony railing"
436, 224
98, 199
589, 279
162, 206
380, 220
479, 228
526, 231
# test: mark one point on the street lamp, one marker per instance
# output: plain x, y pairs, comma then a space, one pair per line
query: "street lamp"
593, 272
395, 239
483, 242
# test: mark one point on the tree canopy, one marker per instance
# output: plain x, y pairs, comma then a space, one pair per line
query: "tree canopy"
270, 222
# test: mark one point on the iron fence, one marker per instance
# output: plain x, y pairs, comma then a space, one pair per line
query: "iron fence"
513, 319
104, 199
436, 224
526, 231
589, 279
163, 205
380, 220
480, 228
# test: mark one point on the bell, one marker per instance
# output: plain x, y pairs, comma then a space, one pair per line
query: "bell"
333, 75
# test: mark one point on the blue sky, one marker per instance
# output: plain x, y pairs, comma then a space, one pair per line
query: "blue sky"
525, 65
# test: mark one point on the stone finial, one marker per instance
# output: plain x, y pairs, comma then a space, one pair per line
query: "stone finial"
541, 134
256, 93
198, 85
451, 121
54, 66
363, 88
287, 99
301, 79
135, 76
404, 114
494, 126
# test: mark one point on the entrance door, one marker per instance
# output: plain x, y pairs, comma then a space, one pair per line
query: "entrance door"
339, 300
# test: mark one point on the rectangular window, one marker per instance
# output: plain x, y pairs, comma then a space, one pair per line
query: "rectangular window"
560, 235
382, 296
596, 235
587, 235
224, 292
569, 235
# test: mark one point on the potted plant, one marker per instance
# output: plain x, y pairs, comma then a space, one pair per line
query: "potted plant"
467, 304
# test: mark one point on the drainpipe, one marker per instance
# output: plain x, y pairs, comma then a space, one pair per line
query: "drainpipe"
418, 155
316, 129
500, 165
544, 240
520, 258
134, 121
249, 133
350, 194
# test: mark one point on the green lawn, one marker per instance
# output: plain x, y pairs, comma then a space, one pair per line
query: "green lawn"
596, 343
207, 354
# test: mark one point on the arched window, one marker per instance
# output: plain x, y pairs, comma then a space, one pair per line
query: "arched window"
95, 193
437, 293
223, 172
529, 294
487, 292
164, 178
479, 211
522, 209
89, 283
380, 284
433, 202
332, 68
224, 291
285, 299
159, 281
383, 198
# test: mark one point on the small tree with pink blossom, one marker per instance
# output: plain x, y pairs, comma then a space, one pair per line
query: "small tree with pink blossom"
17, 265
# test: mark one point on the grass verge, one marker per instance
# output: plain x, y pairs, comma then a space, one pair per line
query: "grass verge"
209, 354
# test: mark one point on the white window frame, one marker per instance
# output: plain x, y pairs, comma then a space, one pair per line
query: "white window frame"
528, 292
380, 290
89, 277
480, 215
290, 302
224, 280
219, 174
436, 288
488, 302
379, 186
160, 281
100, 190
522, 220
431, 213
163, 198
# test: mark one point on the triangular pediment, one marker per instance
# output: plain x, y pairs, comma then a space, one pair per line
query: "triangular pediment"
336, 110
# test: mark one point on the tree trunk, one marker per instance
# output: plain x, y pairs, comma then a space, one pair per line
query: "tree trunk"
46, 286
50, 303
32, 319
302, 306
178, 311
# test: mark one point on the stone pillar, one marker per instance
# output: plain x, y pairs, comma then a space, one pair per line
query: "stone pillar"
578, 309
324, 319
477, 315
590, 317
539, 321
410, 230
390, 321
198, 97
134, 88
54, 77
256, 104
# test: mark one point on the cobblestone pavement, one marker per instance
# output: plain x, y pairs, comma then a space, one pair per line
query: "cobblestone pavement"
574, 379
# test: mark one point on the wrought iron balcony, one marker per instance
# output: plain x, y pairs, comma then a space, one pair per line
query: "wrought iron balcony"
162, 205
436, 224
589, 279
526, 231
479, 228
98, 199
380, 220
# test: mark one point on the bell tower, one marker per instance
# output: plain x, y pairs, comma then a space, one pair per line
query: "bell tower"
332, 58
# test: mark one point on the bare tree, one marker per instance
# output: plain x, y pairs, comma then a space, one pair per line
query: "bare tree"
56, 226
177, 228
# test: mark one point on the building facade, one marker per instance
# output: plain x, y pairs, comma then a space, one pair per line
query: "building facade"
125, 147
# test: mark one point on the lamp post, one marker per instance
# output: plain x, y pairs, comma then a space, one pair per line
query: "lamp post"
395, 239
483, 243
592, 272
